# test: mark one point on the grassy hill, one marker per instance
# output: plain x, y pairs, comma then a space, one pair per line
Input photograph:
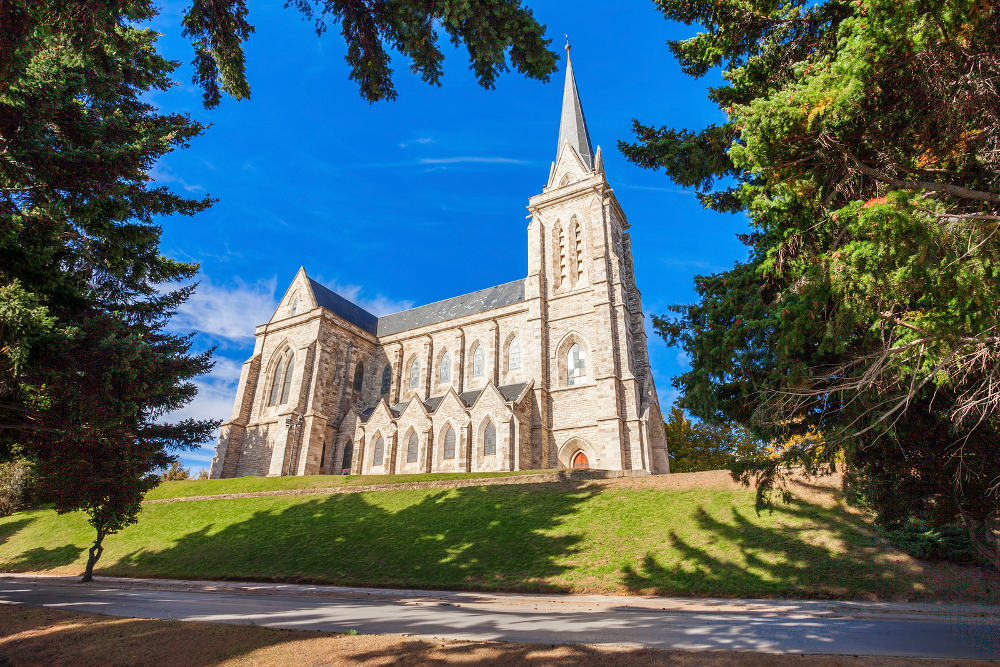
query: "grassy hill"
214, 487
692, 534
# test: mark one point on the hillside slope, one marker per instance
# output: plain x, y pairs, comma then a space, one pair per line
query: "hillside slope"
692, 534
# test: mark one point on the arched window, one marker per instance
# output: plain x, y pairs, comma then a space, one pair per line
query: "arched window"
286, 384
386, 379
359, 377
489, 439
478, 362
578, 237
414, 374
348, 455
272, 399
449, 443
379, 452
576, 365
412, 446
513, 355
444, 368
295, 307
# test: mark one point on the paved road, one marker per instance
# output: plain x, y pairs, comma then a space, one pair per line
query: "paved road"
954, 632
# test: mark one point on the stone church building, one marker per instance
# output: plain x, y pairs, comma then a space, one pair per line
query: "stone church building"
547, 371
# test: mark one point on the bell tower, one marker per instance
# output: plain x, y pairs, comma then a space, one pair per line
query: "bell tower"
586, 310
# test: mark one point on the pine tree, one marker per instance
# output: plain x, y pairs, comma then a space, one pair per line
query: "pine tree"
863, 143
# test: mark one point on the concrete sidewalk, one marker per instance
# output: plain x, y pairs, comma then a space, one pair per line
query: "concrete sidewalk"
963, 632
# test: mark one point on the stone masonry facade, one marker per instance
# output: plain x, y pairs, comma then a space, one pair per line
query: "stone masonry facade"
550, 371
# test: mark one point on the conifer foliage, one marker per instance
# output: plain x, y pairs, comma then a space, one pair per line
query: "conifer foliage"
88, 368
862, 140
85, 295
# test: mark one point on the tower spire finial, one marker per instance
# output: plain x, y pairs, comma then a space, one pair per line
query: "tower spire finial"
572, 124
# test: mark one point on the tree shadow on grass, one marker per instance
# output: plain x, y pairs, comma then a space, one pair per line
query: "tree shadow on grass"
783, 560
10, 528
496, 538
41, 558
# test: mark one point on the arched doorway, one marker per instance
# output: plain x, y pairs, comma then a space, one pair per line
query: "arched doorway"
348, 455
580, 460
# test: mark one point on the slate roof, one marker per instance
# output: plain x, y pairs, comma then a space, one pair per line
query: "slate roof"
449, 309
439, 311
510, 392
343, 308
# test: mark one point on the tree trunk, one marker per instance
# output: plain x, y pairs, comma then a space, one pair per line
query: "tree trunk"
985, 541
93, 555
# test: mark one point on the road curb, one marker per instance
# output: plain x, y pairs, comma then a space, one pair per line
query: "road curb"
722, 606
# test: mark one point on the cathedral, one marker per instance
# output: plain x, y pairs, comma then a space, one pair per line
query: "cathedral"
547, 371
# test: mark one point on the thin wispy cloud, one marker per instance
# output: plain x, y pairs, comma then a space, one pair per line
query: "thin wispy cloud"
655, 188
473, 159
420, 141
162, 174
229, 313
376, 305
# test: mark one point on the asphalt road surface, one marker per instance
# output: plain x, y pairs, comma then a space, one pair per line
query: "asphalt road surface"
937, 631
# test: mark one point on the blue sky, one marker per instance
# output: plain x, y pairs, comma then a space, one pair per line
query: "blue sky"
403, 203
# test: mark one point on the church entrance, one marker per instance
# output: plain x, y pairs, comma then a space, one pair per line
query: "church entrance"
580, 460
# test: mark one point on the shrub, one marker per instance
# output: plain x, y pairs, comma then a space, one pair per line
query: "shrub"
15, 484
176, 472
921, 540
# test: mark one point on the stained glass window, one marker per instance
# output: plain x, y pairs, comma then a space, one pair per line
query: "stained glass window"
415, 374
359, 377
576, 364
386, 379
379, 452
490, 439
449, 443
444, 372
514, 355
411, 448
478, 361
287, 384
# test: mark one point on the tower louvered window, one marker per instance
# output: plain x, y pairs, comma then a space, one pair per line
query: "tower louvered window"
578, 238
386, 379
563, 268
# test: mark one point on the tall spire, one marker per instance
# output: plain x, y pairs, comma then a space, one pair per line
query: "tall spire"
572, 124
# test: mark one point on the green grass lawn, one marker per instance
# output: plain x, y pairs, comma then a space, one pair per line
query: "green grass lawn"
574, 537
212, 487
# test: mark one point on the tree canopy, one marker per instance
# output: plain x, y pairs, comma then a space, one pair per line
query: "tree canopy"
862, 140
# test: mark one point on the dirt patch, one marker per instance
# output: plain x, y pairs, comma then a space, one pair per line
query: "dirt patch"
33, 636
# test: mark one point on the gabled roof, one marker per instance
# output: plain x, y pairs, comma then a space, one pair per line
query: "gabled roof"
449, 309
510, 392
341, 307
480, 301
